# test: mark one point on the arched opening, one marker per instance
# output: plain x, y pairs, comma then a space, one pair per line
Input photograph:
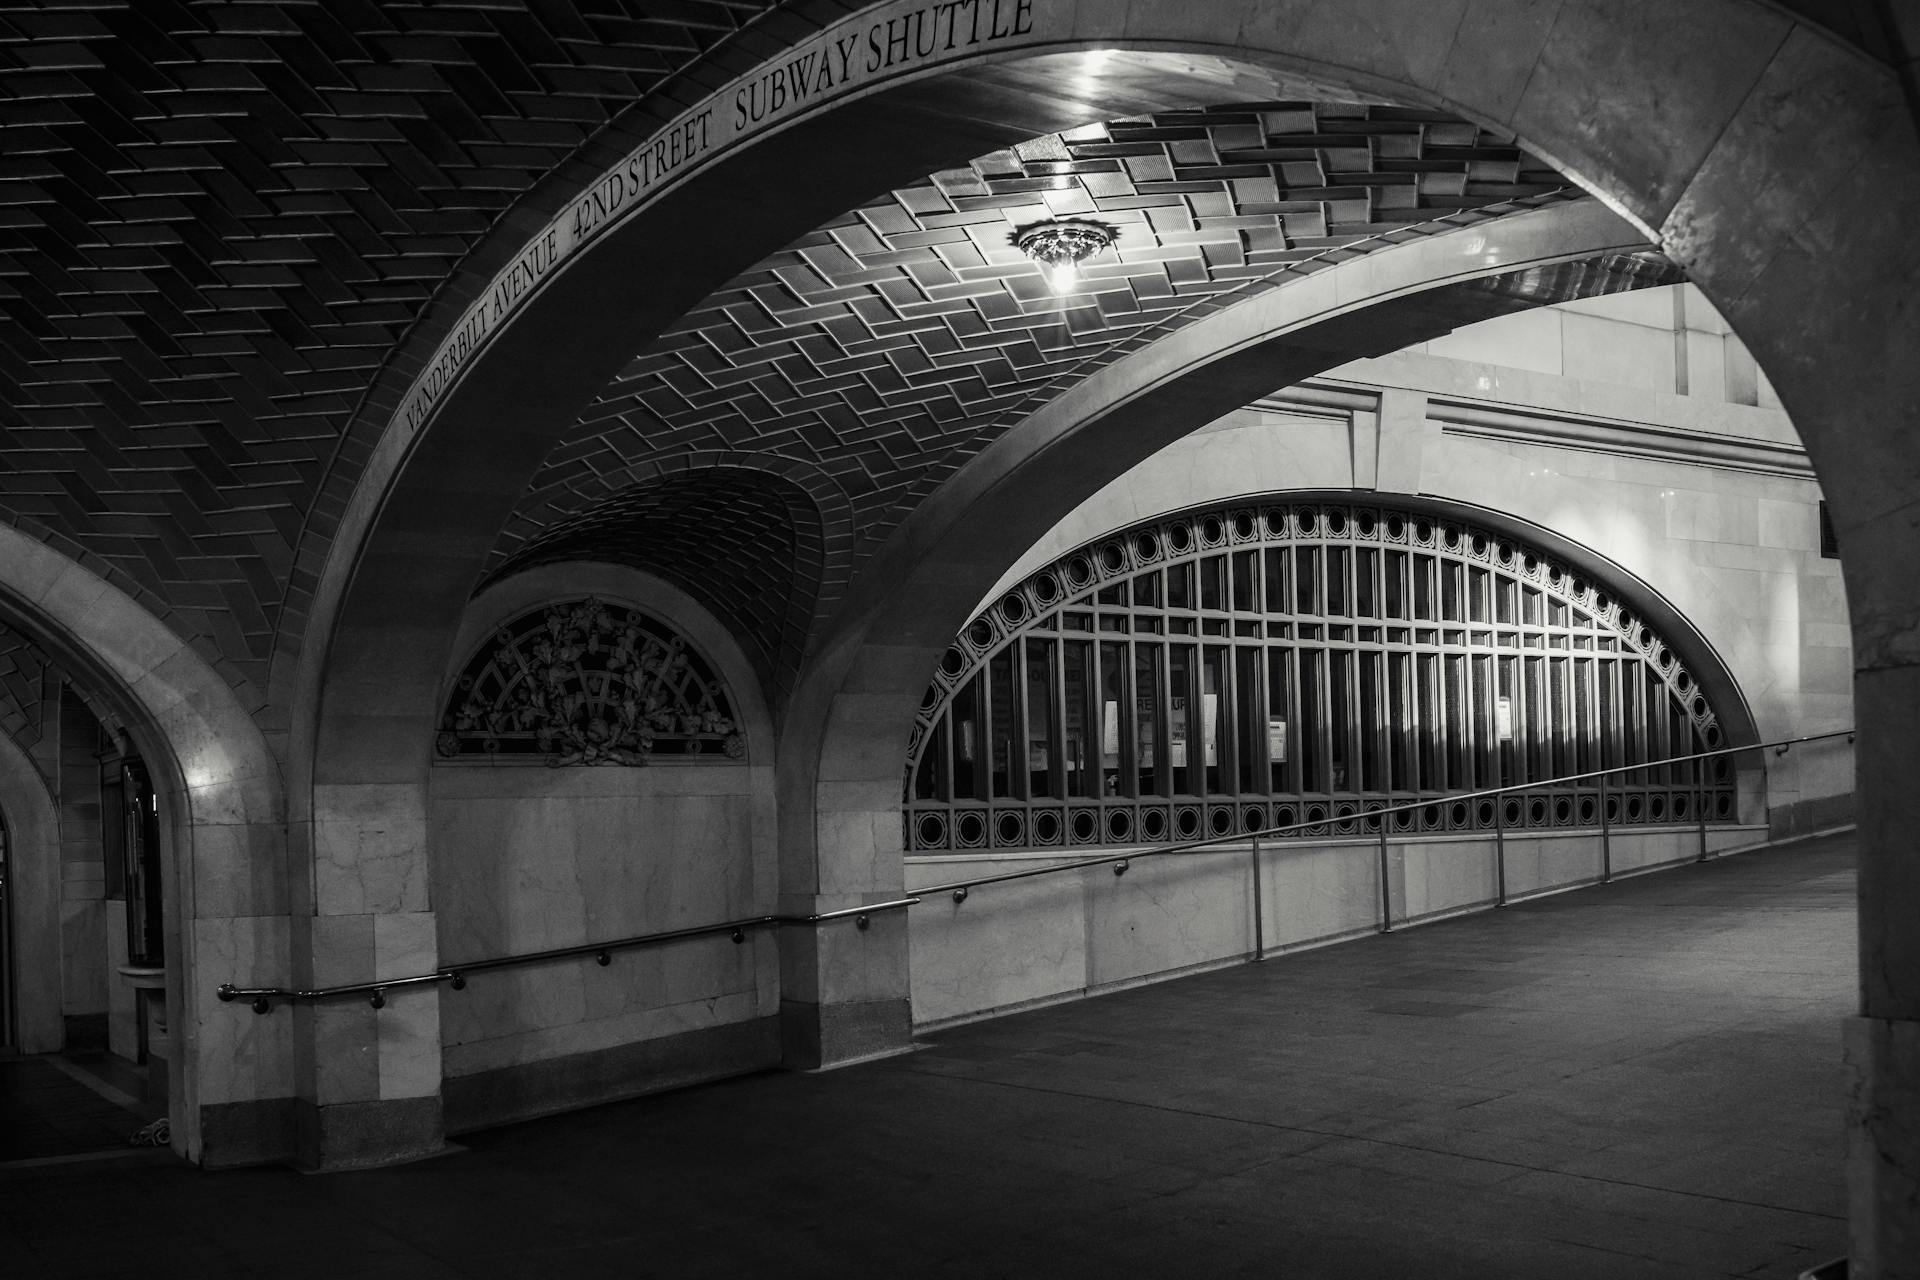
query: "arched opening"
1294, 659
212, 831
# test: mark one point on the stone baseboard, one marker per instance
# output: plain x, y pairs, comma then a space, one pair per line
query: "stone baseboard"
522, 1092
1804, 817
365, 1135
234, 1135
813, 1037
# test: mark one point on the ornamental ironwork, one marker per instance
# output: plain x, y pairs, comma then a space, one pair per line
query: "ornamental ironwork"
588, 682
1240, 667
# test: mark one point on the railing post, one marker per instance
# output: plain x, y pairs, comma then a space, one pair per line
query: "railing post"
1700, 803
1386, 891
1606, 835
1259, 924
1500, 851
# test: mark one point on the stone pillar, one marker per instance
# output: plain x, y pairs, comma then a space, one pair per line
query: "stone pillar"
370, 1078
1882, 1045
843, 989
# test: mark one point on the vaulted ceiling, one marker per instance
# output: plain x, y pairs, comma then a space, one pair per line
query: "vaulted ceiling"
217, 221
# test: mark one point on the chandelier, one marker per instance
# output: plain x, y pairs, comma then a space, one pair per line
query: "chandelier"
1061, 245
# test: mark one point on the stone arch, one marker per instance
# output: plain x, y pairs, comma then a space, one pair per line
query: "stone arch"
1676, 122
225, 888
33, 892
1484, 68
925, 585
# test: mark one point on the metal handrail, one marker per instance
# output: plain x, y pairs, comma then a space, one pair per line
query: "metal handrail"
1120, 861
455, 975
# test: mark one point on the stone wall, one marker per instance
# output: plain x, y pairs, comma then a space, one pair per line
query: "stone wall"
1051, 938
526, 857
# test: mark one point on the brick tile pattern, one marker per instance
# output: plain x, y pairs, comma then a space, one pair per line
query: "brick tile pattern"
884, 350
217, 220
747, 542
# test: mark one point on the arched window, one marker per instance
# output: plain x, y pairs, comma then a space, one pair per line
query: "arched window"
588, 682
1259, 664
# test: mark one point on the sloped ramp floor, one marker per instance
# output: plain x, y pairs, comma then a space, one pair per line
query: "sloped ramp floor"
1637, 1080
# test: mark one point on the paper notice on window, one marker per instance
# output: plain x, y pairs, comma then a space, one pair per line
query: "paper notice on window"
1110, 733
1209, 718
1277, 740
1503, 719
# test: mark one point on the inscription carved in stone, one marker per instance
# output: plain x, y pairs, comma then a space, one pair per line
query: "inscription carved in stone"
588, 682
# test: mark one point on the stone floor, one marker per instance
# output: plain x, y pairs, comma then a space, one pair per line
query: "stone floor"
53, 1109
1638, 1080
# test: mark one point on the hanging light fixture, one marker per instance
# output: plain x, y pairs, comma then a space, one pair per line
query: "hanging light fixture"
1060, 245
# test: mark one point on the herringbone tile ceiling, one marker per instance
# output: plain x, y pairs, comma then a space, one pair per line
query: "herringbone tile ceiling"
879, 353
216, 220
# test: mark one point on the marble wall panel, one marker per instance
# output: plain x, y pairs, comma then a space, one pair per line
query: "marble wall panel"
1644, 849
676, 973
241, 1055
1650, 308
369, 848
1444, 875
1007, 945
529, 859
1167, 914
340, 951
1551, 863
1526, 340
239, 869
1055, 937
1703, 365
123, 1036
1316, 892
508, 1002
542, 1043
346, 1051
408, 1043
855, 965
83, 955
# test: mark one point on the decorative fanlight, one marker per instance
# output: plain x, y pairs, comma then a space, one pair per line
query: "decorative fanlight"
1061, 245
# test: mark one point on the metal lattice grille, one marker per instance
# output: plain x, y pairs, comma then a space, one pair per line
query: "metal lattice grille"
587, 682
1250, 666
